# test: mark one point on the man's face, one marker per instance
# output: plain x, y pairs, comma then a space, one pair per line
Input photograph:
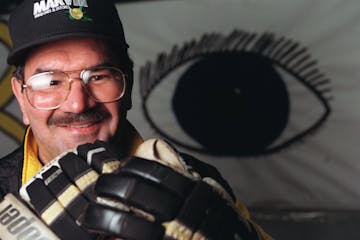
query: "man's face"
79, 119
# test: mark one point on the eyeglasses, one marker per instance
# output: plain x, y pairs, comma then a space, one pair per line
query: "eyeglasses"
48, 90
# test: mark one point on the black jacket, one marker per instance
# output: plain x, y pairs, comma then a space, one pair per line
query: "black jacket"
11, 172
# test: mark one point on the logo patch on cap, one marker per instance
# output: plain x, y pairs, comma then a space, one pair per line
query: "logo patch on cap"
78, 14
75, 8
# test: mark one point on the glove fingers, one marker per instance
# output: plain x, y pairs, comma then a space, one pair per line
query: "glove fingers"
99, 157
192, 214
112, 222
65, 186
206, 214
199, 199
223, 223
80, 173
68, 195
160, 174
52, 212
139, 194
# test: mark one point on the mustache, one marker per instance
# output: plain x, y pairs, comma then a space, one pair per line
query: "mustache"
91, 115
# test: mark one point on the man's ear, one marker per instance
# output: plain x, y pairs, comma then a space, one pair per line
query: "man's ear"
18, 92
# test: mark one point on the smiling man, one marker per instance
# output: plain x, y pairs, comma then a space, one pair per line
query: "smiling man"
72, 96
73, 82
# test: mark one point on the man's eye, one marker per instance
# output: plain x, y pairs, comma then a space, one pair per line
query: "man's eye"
97, 78
56, 83
44, 83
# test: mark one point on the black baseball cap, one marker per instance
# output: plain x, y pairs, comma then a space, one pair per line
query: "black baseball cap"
36, 22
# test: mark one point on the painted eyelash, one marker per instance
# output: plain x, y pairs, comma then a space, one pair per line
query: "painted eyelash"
283, 52
298, 62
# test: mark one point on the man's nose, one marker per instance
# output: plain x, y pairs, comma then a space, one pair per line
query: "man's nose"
78, 99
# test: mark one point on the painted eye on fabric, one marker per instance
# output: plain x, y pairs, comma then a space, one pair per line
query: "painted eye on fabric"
237, 95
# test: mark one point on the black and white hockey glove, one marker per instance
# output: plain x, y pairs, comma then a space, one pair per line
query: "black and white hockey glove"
156, 195
89, 194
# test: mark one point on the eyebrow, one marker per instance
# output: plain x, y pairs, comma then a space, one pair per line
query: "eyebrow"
41, 70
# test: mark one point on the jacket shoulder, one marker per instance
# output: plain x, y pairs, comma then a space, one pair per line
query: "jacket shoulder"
10, 172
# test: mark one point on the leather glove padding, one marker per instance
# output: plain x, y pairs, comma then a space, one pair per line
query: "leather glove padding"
99, 156
148, 185
52, 212
80, 173
136, 192
158, 173
208, 215
108, 221
64, 191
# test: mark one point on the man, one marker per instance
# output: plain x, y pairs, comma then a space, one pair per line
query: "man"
73, 82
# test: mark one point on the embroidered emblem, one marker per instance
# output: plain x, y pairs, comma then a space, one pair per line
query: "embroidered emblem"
78, 14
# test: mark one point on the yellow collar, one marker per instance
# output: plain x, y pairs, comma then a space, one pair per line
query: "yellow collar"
32, 163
